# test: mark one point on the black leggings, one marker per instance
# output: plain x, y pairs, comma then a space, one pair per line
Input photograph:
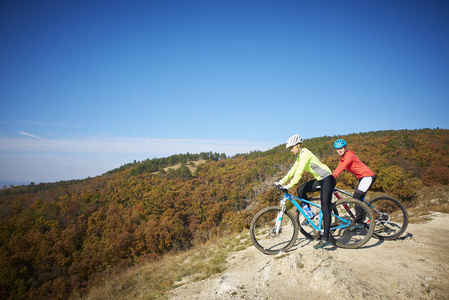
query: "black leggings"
326, 185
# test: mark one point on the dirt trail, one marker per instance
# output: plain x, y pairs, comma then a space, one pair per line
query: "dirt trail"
415, 267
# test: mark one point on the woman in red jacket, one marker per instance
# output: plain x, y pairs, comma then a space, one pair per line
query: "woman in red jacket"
351, 163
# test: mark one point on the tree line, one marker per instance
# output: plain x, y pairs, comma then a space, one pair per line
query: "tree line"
158, 164
60, 239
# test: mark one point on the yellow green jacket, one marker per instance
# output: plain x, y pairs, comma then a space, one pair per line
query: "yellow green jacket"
306, 161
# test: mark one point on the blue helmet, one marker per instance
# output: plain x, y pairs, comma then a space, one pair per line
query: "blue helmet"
340, 143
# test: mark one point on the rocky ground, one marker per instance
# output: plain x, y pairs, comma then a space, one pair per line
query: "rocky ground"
413, 267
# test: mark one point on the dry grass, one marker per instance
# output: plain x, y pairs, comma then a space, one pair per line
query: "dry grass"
417, 216
423, 215
152, 280
428, 200
191, 165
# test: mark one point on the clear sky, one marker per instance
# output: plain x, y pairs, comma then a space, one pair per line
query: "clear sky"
87, 86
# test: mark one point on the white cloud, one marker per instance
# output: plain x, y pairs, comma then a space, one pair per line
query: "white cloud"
47, 160
28, 134
117, 145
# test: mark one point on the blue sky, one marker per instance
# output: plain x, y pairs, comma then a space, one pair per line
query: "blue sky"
87, 86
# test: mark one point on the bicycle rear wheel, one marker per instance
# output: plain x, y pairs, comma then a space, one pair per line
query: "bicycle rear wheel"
353, 224
390, 216
263, 232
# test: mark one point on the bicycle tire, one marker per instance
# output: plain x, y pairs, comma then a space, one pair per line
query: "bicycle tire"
262, 235
393, 220
351, 237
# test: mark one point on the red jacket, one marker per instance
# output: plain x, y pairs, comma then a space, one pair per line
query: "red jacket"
353, 164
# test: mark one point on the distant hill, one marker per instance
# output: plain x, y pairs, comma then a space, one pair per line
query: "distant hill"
61, 238
5, 184
230, 267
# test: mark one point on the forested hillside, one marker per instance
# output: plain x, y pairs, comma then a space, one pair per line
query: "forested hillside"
59, 239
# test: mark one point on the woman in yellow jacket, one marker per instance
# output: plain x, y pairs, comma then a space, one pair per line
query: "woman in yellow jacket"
307, 161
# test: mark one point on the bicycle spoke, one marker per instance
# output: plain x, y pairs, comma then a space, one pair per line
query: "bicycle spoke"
353, 224
391, 218
264, 235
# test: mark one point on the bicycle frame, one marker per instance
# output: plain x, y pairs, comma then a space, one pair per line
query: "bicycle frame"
343, 222
336, 190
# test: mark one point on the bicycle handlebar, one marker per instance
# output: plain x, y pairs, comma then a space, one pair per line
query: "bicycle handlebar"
281, 188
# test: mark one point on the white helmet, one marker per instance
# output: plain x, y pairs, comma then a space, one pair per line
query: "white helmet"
294, 140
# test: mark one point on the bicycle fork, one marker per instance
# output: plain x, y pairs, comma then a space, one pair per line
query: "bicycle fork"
277, 227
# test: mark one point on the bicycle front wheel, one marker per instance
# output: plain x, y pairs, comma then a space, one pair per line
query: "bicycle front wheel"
390, 216
352, 227
263, 231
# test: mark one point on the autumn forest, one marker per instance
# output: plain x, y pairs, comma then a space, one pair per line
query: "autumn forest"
59, 239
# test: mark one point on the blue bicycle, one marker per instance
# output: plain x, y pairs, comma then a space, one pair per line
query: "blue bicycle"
275, 228
390, 217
